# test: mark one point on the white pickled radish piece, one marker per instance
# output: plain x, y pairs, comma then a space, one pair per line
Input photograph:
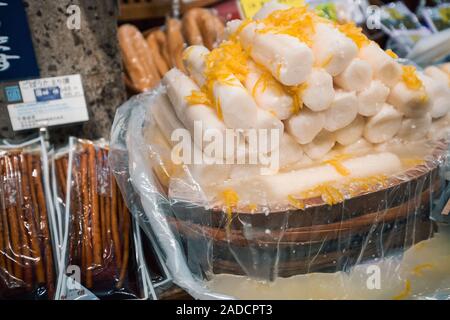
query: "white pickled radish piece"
290, 151
243, 171
294, 182
356, 77
351, 133
164, 116
445, 67
439, 94
371, 99
288, 59
360, 146
207, 174
437, 74
319, 92
342, 111
179, 86
237, 105
415, 128
440, 128
305, 125
167, 121
384, 67
384, 125
321, 145
332, 49
269, 138
194, 58
268, 8
231, 27
268, 93
412, 103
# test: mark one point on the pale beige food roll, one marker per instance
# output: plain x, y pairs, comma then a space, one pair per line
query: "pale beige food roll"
351, 133
320, 145
190, 26
371, 99
288, 59
305, 125
384, 67
342, 111
414, 129
175, 42
158, 52
194, 58
268, 93
332, 49
137, 58
281, 185
356, 77
412, 103
384, 125
319, 92
439, 94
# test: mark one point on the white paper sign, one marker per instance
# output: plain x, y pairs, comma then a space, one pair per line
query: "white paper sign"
49, 102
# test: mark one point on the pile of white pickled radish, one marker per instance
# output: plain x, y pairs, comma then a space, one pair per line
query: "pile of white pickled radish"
352, 96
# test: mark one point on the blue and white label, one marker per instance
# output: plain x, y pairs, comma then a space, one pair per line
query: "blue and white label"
12, 94
46, 102
47, 94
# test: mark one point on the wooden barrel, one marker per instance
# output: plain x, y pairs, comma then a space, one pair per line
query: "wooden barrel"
319, 238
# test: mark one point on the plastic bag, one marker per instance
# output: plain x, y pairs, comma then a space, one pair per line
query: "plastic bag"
402, 26
28, 237
101, 249
437, 18
208, 245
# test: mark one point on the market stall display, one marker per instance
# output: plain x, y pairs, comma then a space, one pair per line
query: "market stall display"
362, 142
269, 149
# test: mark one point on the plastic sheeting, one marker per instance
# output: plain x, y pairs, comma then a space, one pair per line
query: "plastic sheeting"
366, 222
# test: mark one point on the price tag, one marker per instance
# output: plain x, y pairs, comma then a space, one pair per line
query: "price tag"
250, 7
45, 102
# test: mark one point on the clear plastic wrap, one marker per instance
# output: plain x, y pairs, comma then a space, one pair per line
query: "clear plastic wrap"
436, 18
28, 237
100, 238
213, 248
402, 26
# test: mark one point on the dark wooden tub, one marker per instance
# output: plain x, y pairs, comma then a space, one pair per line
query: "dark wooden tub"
319, 238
